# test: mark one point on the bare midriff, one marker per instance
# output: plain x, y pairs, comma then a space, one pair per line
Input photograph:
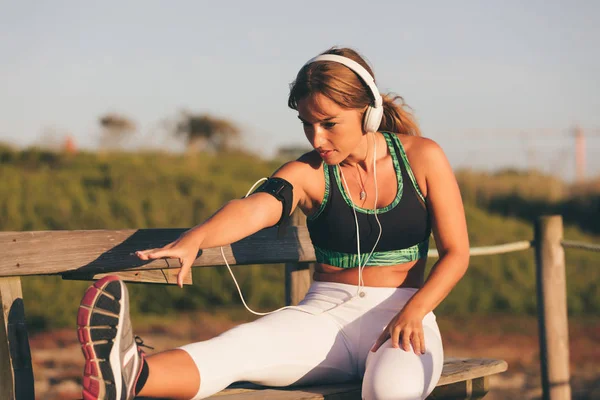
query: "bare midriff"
409, 275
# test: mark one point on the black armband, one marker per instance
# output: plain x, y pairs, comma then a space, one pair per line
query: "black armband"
282, 190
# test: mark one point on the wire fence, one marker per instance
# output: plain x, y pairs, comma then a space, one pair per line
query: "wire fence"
572, 244
520, 245
496, 249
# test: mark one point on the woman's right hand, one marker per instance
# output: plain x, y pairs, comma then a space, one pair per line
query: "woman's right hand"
185, 249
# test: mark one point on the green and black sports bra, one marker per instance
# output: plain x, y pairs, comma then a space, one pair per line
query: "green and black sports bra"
405, 222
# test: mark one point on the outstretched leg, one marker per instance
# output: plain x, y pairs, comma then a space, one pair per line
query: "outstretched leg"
281, 349
173, 375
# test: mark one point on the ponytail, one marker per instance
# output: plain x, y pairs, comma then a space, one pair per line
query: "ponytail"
398, 116
344, 87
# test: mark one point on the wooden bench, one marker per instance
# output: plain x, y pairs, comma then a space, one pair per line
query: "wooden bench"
462, 378
90, 255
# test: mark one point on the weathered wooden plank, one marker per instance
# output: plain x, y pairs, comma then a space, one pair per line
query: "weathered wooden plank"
459, 369
161, 276
464, 390
329, 392
104, 251
16, 374
461, 379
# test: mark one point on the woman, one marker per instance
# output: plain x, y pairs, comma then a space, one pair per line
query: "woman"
373, 190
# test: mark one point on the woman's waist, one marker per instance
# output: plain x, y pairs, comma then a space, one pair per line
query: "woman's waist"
406, 275
339, 299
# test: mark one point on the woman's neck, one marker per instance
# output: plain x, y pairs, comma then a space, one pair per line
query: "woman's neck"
362, 157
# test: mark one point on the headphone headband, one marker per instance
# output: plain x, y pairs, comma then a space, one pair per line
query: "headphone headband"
358, 69
374, 113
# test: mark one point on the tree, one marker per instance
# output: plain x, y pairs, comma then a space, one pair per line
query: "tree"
206, 132
115, 129
291, 152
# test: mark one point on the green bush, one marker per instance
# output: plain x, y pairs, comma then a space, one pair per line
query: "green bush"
43, 190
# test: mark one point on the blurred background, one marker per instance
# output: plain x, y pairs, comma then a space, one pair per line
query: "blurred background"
148, 114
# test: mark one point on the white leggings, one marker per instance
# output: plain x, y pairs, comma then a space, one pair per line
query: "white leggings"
329, 342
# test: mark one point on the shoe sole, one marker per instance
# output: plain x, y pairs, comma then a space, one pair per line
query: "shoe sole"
99, 320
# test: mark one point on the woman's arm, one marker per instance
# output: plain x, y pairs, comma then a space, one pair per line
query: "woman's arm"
450, 230
236, 220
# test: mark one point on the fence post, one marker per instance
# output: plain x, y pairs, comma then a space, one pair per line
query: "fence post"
552, 308
298, 276
16, 375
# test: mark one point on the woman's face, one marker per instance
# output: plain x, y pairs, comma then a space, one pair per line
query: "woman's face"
335, 132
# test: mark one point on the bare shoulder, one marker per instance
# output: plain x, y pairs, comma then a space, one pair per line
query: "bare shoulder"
423, 153
302, 173
419, 146
306, 164
306, 176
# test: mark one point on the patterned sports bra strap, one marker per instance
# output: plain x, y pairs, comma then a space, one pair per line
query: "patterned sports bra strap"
407, 165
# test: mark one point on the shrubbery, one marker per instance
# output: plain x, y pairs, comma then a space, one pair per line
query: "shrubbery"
44, 190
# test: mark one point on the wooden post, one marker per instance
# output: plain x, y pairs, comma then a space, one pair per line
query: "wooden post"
16, 375
298, 276
552, 308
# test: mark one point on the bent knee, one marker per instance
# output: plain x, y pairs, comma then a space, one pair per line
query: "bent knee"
393, 373
383, 386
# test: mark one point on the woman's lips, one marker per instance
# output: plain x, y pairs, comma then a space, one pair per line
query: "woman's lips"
325, 153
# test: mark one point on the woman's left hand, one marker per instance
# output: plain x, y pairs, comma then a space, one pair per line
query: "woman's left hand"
405, 328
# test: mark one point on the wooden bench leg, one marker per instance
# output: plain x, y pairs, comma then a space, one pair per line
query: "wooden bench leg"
465, 390
297, 282
480, 387
16, 374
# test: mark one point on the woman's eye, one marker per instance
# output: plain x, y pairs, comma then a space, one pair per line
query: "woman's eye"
328, 125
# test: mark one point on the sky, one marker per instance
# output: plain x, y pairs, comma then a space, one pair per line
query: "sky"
496, 83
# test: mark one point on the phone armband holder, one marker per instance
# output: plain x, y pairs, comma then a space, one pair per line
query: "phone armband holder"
282, 190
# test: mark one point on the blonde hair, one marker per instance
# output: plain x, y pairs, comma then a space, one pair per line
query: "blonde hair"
345, 88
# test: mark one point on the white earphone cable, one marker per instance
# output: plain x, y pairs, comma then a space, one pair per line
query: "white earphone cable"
238, 286
361, 282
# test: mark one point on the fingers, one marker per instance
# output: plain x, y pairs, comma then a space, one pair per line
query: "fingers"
402, 339
406, 340
153, 254
185, 252
147, 254
415, 340
380, 340
395, 335
185, 269
159, 252
143, 254
421, 338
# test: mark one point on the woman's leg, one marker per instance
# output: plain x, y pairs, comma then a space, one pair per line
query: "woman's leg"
281, 349
286, 348
172, 374
400, 375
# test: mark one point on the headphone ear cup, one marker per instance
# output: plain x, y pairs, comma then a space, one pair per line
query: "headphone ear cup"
372, 119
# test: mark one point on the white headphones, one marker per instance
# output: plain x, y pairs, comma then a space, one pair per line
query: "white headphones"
371, 122
374, 113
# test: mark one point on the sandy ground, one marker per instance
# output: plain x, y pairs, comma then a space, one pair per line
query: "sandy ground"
58, 362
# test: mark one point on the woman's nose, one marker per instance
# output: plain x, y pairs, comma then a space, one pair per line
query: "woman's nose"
317, 137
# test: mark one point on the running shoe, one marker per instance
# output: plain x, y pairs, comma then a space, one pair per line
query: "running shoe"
113, 358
